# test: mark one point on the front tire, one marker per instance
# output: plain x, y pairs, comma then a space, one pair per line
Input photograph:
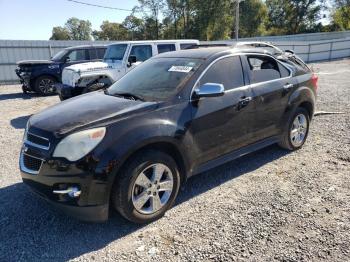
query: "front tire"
44, 85
146, 187
297, 131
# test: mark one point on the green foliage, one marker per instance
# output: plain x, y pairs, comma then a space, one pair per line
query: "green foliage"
341, 15
111, 31
60, 33
292, 16
211, 20
74, 29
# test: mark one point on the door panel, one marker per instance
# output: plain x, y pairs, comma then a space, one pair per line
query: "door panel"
222, 124
271, 88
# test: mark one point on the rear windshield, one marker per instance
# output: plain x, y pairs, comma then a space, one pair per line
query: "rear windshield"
156, 79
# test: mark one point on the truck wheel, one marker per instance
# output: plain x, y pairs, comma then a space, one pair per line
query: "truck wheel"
44, 85
146, 187
295, 135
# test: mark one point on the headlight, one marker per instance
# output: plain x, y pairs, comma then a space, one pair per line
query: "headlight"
79, 144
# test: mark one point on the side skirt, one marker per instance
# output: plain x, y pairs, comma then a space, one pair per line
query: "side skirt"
234, 155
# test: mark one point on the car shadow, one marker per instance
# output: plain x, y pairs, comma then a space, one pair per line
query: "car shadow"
20, 122
31, 230
17, 96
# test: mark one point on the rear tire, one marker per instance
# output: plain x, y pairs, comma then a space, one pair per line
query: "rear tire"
44, 85
146, 187
297, 130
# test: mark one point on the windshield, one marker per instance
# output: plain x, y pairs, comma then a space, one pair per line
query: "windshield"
58, 57
156, 79
115, 52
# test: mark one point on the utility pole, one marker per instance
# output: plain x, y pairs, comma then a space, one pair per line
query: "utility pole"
237, 18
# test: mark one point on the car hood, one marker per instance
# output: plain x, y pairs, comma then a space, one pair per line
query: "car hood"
34, 62
86, 110
94, 66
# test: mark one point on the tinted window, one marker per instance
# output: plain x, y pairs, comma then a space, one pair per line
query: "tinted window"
142, 52
227, 71
263, 68
185, 46
78, 55
165, 48
284, 71
100, 53
156, 79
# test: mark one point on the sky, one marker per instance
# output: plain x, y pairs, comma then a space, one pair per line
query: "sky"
34, 19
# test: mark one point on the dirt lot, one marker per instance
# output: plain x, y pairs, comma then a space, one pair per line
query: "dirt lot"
270, 205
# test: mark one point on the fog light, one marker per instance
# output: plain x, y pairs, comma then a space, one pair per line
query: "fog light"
72, 192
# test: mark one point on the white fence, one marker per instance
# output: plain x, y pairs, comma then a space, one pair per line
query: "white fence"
311, 47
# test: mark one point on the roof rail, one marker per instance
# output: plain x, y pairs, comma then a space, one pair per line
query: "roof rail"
207, 46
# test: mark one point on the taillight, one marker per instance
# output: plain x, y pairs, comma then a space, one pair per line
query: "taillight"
314, 81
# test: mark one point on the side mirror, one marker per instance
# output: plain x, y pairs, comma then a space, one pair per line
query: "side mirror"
210, 90
67, 59
131, 60
290, 51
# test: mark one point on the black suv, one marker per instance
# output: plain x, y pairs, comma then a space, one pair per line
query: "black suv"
40, 75
178, 114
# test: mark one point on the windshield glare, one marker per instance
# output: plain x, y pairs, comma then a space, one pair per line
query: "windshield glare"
156, 79
59, 55
115, 52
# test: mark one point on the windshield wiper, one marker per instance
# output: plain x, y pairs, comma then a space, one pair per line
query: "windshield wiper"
125, 95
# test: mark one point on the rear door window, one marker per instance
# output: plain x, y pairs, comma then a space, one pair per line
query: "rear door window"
78, 55
162, 48
263, 69
185, 46
142, 52
227, 71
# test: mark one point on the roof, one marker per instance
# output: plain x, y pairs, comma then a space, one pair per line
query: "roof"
205, 53
190, 41
85, 46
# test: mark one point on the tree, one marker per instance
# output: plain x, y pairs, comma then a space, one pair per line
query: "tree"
253, 14
111, 31
75, 28
79, 29
292, 16
135, 27
151, 10
341, 14
60, 33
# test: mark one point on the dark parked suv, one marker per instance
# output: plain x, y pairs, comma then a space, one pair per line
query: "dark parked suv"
178, 114
40, 75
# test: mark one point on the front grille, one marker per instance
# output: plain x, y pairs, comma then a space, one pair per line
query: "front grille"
38, 140
31, 163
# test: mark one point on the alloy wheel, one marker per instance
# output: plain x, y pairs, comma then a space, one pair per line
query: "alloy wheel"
46, 86
299, 130
152, 188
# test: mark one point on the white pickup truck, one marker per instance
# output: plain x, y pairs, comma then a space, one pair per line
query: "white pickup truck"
120, 58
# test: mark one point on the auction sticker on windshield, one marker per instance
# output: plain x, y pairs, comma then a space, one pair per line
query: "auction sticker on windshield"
182, 69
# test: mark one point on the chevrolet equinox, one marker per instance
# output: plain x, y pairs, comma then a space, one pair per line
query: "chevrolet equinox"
131, 146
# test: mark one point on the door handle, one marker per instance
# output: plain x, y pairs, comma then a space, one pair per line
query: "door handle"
243, 102
287, 87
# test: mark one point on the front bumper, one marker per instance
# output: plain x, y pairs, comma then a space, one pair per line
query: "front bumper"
50, 176
24, 77
96, 213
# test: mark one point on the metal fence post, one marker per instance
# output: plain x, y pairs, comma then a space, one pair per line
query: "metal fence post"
50, 50
330, 51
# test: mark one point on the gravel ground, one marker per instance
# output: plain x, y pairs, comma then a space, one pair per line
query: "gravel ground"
269, 205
